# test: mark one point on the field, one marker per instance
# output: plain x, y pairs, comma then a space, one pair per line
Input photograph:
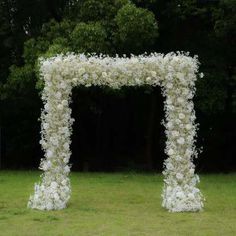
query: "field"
116, 204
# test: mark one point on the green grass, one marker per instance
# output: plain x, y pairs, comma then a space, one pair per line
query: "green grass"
116, 204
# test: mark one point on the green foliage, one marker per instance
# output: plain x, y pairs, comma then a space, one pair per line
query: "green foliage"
16, 86
33, 49
225, 19
137, 29
93, 10
53, 29
211, 93
89, 37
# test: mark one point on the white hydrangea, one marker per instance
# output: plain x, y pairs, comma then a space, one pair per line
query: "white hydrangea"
175, 73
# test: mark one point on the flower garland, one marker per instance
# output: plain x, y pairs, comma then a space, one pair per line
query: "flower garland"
175, 73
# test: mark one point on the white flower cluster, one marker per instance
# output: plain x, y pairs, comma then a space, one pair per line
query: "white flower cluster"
175, 73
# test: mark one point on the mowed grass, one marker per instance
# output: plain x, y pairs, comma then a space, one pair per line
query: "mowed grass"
116, 204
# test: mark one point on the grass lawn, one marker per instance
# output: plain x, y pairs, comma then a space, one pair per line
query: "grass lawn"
116, 204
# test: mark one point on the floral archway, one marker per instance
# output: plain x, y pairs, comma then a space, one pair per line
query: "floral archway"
175, 73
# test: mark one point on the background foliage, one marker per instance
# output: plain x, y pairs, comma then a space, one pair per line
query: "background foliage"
117, 129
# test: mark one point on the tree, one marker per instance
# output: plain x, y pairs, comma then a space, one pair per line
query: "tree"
136, 29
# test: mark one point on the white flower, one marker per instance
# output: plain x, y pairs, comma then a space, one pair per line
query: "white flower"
175, 133
169, 166
56, 196
81, 71
171, 152
181, 116
181, 140
180, 100
169, 85
67, 169
138, 81
85, 76
49, 154
54, 185
180, 75
180, 195
66, 146
60, 107
153, 73
179, 176
191, 196
63, 85
75, 80
169, 101
64, 103
178, 158
188, 126
49, 206
45, 125
169, 125
191, 171
58, 95
63, 182
104, 74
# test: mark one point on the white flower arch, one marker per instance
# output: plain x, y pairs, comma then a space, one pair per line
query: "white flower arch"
176, 73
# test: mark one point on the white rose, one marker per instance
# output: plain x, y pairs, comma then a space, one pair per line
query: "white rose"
191, 196
81, 71
49, 206
169, 125
171, 152
181, 140
56, 196
181, 116
180, 75
153, 73
178, 158
85, 76
63, 85
180, 195
188, 126
138, 81
58, 95
46, 106
75, 80
54, 185
179, 176
66, 146
45, 125
175, 133
104, 74
67, 169
60, 107
169, 85
64, 102
168, 101
180, 100
169, 166
49, 154
191, 171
